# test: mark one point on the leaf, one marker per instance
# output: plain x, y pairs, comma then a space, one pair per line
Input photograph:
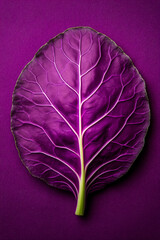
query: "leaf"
80, 113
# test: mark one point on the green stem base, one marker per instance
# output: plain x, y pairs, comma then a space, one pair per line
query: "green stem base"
81, 197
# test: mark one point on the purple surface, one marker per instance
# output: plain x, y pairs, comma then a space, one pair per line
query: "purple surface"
128, 209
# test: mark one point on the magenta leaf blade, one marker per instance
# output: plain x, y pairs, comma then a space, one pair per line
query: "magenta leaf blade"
80, 113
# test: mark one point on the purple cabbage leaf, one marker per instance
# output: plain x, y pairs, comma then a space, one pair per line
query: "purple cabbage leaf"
80, 113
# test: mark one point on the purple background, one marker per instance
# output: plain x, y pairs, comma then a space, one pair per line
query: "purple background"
128, 209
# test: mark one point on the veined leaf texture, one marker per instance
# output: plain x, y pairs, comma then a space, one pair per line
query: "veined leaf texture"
80, 113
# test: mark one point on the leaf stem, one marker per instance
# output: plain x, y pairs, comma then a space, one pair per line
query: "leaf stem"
81, 196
